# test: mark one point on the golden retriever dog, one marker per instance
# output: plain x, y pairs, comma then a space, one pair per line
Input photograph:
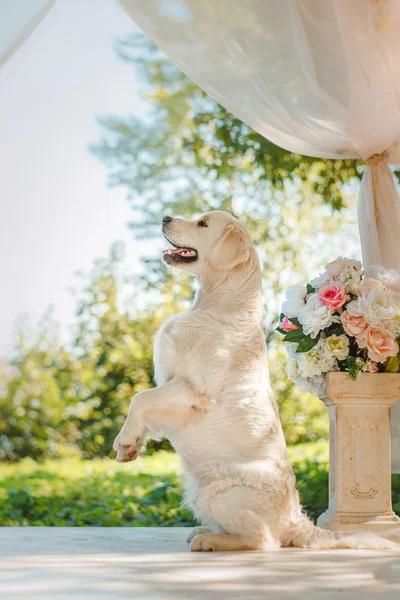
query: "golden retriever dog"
214, 402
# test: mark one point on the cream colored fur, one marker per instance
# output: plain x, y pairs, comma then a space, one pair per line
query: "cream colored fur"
215, 404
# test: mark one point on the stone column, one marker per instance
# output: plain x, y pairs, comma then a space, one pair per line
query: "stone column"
360, 491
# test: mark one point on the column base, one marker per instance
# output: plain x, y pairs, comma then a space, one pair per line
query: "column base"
342, 521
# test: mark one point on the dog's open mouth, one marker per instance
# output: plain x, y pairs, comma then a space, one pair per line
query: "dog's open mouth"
179, 253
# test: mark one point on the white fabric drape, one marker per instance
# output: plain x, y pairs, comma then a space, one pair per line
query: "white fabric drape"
320, 78
317, 77
18, 19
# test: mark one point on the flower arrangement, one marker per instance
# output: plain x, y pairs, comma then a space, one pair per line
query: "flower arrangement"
343, 320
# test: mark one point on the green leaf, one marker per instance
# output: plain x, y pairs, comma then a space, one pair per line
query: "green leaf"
294, 336
307, 344
295, 321
280, 330
392, 364
310, 288
281, 316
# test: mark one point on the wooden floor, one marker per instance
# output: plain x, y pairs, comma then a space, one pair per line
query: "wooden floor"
116, 563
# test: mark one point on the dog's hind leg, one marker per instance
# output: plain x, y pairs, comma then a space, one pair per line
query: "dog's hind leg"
238, 510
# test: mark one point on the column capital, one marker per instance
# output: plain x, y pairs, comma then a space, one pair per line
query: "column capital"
370, 388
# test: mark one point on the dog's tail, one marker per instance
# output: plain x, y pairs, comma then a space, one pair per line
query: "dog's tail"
305, 534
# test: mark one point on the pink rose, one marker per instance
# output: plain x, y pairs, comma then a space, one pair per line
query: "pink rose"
380, 342
372, 367
367, 285
287, 325
333, 295
353, 325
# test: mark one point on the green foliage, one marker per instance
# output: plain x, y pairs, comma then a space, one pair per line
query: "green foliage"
145, 493
392, 364
93, 493
353, 368
310, 289
35, 395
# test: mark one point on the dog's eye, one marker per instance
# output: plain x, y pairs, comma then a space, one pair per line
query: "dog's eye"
202, 223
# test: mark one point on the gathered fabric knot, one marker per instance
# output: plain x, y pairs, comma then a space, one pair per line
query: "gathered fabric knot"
373, 162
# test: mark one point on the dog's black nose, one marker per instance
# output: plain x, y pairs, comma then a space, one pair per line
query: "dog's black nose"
167, 219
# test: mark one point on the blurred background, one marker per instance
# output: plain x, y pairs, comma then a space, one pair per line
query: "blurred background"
100, 137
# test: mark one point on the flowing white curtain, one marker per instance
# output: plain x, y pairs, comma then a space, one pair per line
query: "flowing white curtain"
18, 19
317, 77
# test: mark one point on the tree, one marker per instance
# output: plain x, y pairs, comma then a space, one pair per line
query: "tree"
36, 390
191, 156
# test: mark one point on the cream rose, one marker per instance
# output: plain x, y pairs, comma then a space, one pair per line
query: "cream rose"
335, 267
353, 325
337, 346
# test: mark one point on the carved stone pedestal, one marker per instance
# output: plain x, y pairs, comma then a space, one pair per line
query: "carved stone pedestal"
360, 494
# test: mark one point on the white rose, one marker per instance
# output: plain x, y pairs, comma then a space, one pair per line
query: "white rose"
380, 307
390, 278
296, 291
315, 316
295, 295
354, 309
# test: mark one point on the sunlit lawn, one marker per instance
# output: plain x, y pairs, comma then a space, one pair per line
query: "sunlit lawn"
77, 492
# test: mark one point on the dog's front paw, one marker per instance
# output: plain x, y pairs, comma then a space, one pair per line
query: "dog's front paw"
202, 543
127, 450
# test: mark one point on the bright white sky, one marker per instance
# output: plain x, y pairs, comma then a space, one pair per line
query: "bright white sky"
56, 213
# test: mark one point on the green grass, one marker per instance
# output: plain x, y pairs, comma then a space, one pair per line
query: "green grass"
93, 493
74, 492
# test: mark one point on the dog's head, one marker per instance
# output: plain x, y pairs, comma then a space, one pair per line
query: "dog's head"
214, 242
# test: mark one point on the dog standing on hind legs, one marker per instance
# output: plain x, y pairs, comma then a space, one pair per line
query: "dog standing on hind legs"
214, 402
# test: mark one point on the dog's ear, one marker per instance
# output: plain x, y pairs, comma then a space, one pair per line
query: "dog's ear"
231, 250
